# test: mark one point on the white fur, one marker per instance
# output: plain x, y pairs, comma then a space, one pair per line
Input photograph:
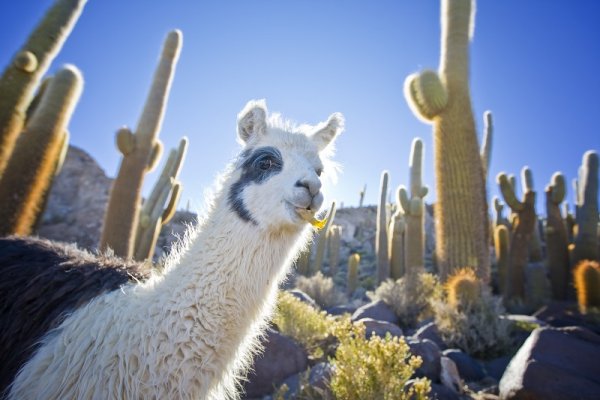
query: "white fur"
190, 332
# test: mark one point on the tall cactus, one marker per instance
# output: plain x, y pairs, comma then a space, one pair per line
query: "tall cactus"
20, 79
557, 257
413, 206
322, 241
37, 154
161, 205
535, 244
520, 238
501, 245
334, 242
443, 99
397, 230
381, 240
352, 282
140, 153
586, 212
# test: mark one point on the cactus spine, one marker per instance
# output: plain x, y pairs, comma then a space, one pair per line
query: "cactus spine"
20, 79
155, 213
140, 153
381, 240
523, 227
352, 283
413, 206
463, 288
334, 241
397, 231
586, 211
557, 245
37, 154
587, 283
461, 211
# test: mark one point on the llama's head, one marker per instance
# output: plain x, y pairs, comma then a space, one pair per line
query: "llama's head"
277, 177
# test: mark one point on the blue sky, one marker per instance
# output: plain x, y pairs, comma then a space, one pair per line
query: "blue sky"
534, 63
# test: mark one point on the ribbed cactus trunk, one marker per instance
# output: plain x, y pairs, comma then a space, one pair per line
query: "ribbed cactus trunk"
381, 235
557, 245
140, 153
501, 245
37, 154
322, 241
586, 214
462, 233
20, 79
414, 211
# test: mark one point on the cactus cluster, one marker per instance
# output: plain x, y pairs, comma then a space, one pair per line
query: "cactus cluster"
141, 151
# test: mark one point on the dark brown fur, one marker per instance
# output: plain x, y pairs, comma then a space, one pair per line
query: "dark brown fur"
41, 282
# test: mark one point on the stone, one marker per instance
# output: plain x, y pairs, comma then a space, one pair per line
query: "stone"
376, 310
496, 367
341, 309
380, 328
431, 355
555, 364
562, 314
281, 358
320, 375
469, 369
430, 331
449, 375
441, 392
303, 297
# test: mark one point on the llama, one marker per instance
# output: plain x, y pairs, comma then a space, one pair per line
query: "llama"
191, 330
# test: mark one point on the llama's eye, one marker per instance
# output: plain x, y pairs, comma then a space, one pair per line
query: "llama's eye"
265, 164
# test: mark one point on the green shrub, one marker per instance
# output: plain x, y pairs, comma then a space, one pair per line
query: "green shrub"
322, 290
477, 329
410, 301
373, 368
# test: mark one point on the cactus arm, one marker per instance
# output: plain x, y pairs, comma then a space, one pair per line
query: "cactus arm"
426, 94
122, 215
125, 140
508, 192
20, 79
36, 157
557, 258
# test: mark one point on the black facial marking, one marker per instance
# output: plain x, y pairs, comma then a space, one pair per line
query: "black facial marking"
257, 166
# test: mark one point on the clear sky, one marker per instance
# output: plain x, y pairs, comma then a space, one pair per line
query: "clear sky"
534, 63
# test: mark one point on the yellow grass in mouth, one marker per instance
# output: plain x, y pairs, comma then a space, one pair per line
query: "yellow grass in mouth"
310, 218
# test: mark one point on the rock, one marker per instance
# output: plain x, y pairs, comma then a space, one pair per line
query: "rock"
562, 314
303, 297
449, 375
555, 364
377, 310
470, 370
431, 355
77, 201
496, 367
380, 328
441, 392
341, 310
281, 358
430, 331
320, 375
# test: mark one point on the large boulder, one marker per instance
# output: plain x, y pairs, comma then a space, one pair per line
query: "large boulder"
430, 331
555, 364
380, 328
430, 354
376, 310
281, 358
470, 370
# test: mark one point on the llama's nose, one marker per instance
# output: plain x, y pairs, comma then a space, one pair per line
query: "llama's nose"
312, 185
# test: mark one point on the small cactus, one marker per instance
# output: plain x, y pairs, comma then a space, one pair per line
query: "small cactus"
396, 234
501, 244
38, 154
586, 276
352, 282
463, 288
141, 152
322, 241
334, 241
381, 240
20, 79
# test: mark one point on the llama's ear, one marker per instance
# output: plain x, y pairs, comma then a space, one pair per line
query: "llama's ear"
252, 121
326, 132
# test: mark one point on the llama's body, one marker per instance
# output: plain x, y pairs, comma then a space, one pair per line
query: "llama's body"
190, 332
